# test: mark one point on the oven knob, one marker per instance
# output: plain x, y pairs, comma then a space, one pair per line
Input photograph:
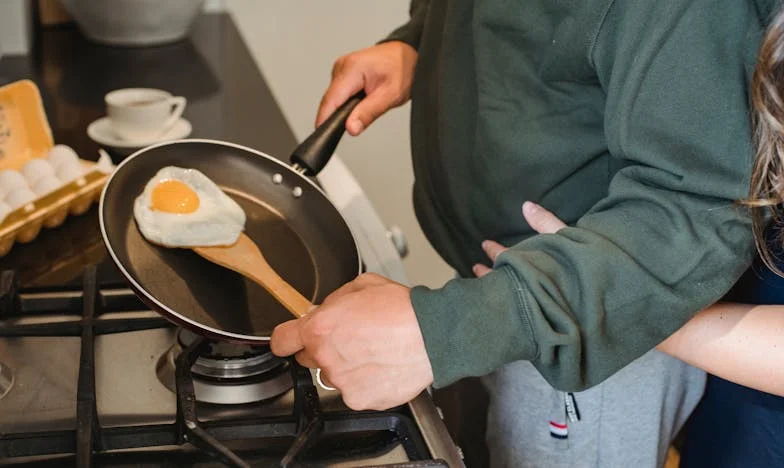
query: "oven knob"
395, 234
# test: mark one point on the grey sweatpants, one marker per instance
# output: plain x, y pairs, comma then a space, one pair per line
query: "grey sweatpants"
628, 420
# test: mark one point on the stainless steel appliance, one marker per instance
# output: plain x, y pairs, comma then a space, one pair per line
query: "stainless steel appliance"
92, 378
89, 375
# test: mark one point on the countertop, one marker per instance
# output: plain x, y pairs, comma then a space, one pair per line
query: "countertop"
228, 99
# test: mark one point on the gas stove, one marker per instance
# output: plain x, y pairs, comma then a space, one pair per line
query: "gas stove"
225, 373
91, 377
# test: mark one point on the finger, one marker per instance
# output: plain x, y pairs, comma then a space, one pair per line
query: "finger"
348, 288
493, 249
342, 87
286, 338
361, 282
481, 270
368, 110
306, 360
370, 279
541, 220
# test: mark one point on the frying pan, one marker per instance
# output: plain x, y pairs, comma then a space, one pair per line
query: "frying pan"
297, 228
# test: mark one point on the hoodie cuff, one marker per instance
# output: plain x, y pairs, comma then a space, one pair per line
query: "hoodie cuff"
473, 326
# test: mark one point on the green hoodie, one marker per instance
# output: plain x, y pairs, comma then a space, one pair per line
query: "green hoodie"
629, 120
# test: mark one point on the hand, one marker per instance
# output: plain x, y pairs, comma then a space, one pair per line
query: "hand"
365, 338
540, 220
384, 71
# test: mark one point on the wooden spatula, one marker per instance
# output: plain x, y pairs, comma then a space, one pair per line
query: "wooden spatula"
245, 258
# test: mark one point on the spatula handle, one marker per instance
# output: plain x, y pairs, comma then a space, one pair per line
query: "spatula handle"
291, 299
245, 258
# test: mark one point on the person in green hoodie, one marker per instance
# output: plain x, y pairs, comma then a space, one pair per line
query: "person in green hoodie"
628, 119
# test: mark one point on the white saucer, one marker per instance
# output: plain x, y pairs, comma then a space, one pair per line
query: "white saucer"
101, 132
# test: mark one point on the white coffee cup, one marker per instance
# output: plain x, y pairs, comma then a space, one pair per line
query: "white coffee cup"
142, 114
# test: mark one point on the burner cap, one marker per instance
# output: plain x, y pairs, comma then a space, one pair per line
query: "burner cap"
223, 368
222, 349
224, 360
228, 373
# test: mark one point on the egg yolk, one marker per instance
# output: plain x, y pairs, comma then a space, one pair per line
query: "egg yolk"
173, 196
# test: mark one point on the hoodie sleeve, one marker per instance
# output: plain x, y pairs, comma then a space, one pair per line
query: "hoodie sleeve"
411, 32
665, 241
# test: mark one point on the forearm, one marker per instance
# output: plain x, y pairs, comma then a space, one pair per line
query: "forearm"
742, 343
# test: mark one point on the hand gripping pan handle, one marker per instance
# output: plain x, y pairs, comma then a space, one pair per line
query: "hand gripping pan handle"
314, 153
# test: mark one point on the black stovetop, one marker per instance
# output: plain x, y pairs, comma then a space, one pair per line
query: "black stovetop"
300, 428
83, 349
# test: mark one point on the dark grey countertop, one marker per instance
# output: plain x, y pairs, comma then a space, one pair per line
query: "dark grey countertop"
228, 99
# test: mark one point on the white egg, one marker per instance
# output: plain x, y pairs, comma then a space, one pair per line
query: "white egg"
62, 154
218, 220
19, 197
4, 211
46, 185
10, 180
36, 169
67, 172
104, 164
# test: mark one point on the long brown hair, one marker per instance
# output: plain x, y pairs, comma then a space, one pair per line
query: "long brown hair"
767, 177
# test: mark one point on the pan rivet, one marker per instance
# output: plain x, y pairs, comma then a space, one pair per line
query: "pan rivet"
277, 178
297, 192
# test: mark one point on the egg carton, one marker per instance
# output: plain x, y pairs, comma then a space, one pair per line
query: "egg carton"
74, 198
25, 136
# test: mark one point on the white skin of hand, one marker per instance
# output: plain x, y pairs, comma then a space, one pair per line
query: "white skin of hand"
365, 338
540, 220
384, 71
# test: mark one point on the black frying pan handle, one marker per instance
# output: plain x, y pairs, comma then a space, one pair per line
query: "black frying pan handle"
314, 153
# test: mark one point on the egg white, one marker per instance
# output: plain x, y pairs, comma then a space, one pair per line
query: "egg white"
218, 220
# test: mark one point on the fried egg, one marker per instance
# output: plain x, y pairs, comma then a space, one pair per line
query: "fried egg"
184, 208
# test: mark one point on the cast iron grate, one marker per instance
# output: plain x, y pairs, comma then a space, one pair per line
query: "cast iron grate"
300, 439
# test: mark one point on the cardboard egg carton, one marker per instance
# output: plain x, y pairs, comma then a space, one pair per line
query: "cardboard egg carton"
25, 134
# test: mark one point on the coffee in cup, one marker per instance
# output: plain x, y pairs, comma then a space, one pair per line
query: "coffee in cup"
142, 114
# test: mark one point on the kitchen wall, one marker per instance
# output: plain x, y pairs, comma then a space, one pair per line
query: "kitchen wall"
295, 43
214, 5
15, 27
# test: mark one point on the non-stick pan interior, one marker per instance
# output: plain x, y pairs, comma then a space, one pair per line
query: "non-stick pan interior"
303, 237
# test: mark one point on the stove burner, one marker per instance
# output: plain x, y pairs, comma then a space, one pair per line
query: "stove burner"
228, 373
6, 379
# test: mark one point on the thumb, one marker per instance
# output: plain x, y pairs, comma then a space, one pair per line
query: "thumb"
368, 110
541, 220
286, 339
